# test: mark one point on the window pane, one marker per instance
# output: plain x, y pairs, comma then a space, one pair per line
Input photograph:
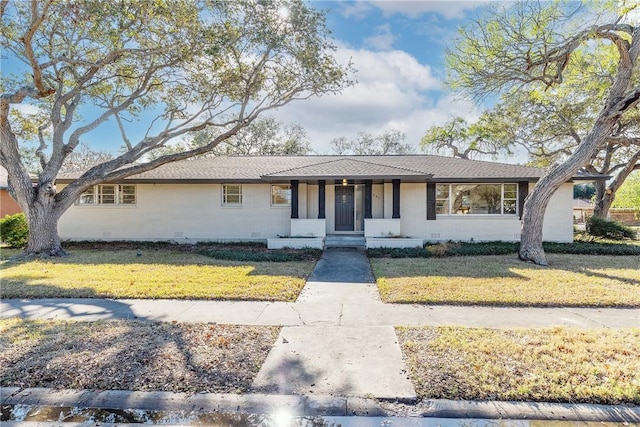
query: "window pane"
477, 199
281, 194
232, 194
127, 195
510, 191
510, 207
510, 204
107, 194
88, 197
442, 199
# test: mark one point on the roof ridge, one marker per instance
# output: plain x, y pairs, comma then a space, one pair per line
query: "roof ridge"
300, 167
395, 167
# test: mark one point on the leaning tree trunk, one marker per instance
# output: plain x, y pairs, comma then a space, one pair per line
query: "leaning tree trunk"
537, 201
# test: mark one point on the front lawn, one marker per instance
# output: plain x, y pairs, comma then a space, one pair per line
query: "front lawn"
569, 280
547, 365
152, 273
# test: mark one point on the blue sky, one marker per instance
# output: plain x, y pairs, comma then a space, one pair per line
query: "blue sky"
397, 47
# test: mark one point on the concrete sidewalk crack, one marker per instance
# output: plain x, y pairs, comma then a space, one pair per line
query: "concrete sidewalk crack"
262, 311
299, 315
587, 318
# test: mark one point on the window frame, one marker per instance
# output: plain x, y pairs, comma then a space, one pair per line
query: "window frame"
225, 194
98, 195
287, 186
503, 199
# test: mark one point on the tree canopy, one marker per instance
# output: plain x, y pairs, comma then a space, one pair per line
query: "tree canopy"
263, 137
536, 52
628, 196
390, 141
155, 71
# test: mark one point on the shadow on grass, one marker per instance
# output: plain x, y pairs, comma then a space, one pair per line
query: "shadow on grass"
133, 355
151, 273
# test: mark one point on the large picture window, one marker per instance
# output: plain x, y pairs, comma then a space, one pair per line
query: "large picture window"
232, 194
476, 199
108, 194
281, 194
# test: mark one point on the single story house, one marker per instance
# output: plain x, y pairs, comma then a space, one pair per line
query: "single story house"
299, 200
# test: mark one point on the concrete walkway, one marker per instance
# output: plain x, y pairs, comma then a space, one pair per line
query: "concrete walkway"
350, 312
338, 337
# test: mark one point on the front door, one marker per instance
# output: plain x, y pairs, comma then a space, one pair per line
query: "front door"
344, 208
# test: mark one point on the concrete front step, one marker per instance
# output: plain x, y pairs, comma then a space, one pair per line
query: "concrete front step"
344, 241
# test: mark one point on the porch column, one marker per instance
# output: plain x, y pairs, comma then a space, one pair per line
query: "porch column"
294, 198
321, 199
396, 198
368, 187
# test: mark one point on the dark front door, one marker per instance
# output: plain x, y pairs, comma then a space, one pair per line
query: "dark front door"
344, 208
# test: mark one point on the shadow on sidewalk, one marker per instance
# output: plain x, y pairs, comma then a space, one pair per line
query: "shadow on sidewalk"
344, 265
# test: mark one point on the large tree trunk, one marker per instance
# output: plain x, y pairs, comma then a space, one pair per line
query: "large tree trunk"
537, 201
43, 215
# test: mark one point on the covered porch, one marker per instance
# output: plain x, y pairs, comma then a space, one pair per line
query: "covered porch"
345, 197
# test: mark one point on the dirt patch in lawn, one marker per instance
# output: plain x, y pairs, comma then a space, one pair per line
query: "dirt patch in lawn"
132, 355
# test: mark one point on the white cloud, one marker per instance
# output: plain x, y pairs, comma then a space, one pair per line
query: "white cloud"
393, 91
26, 109
357, 10
450, 9
383, 39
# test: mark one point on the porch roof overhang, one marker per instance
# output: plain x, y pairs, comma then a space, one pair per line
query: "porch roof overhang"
349, 169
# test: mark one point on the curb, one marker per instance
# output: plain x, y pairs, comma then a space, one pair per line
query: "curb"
307, 405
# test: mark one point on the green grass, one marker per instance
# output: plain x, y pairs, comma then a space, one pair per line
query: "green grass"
569, 280
152, 273
551, 365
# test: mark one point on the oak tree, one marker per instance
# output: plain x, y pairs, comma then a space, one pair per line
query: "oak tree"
535, 44
149, 72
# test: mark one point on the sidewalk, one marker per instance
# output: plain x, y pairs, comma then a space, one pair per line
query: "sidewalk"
337, 339
336, 305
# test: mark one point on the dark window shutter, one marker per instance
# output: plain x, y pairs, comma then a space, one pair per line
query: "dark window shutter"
523, 192
431, 201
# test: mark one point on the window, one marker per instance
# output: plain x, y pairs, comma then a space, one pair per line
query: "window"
442, 199
126, 194
281, 194
88, 197
108, 194
477, 199
231, 194
510, 199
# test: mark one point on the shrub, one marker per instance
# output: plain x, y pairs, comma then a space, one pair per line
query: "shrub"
605, 228
504, 248
14, 230
247, 255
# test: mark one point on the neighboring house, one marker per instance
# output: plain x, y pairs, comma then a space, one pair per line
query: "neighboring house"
582, 210
8, 206
428, 198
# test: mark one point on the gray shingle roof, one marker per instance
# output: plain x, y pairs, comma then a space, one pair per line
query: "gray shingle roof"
273, 168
